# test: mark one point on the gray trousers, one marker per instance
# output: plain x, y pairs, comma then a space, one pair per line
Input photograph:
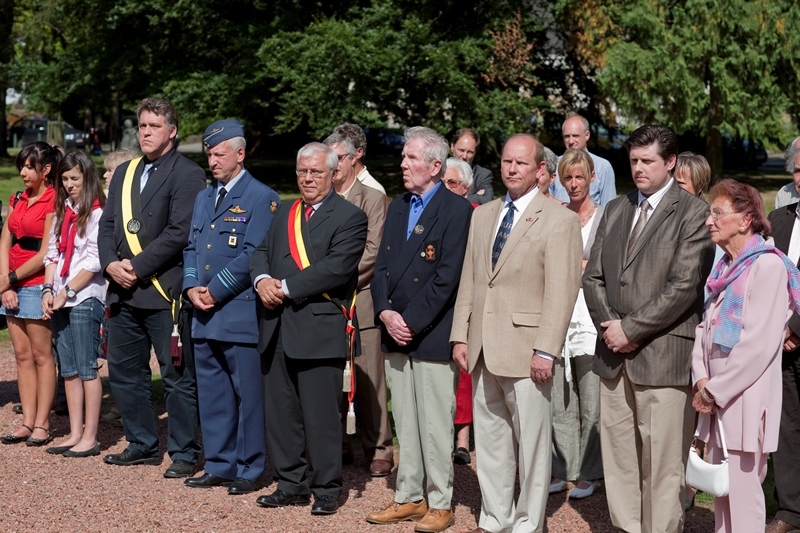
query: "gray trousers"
576, 417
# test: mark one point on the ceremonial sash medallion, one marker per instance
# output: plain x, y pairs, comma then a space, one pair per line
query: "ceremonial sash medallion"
133, 226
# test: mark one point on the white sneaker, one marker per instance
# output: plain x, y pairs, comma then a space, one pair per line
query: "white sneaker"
578, 493
557, 486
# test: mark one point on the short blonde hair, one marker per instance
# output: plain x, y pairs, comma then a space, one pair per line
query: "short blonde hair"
699, 171
572, 158
116, 158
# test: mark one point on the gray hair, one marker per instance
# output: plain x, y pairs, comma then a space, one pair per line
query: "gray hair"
340, 138
791, 154
551, 160
463, 169
312, 149
354, 133
234, 143
435, 146
117, 157
585, 122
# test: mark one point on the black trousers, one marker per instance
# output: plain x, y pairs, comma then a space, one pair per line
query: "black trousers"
131, 332
785, 460
301, 407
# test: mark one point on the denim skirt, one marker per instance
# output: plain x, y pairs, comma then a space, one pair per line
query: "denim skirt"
30, 303
76, 336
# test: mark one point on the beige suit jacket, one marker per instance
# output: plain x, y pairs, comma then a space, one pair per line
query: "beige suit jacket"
375, 205
526, 302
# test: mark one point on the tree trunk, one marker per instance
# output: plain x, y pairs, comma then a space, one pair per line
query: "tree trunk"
714, 136
6, 51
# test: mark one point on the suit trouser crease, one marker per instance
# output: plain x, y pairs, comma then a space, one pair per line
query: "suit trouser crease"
512, 418
373, 411
784, 459
231, 401
131, 333
423, 405
576, 422
301, 407
645, 435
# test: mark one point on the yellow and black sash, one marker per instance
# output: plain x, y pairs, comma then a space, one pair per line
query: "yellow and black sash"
297, 248
137, 239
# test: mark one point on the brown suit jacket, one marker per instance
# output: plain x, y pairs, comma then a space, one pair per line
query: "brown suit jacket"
657, 290
526, 302
375, 204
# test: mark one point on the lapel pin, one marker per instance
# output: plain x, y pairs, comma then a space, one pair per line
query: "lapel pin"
418, 229
529, 219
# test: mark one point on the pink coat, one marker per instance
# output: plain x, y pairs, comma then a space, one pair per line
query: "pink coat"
746, 383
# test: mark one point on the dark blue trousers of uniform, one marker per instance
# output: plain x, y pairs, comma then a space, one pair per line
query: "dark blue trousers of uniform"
231, 400
301, 404
131, 332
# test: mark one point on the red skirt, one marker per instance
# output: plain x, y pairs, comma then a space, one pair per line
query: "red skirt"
463, 399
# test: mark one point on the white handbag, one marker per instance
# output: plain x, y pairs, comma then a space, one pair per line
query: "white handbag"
710, 478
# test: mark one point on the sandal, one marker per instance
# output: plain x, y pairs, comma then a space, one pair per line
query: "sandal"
40, 442
14, 439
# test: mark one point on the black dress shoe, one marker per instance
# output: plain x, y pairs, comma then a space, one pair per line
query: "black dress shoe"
280, 498
129, 458
180, 468
58, 450
243, 486
17, 408
94, 450
207, 481
325, 505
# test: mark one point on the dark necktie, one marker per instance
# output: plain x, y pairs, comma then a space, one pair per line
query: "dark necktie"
309, 211
644, 207
502, 233
222, 192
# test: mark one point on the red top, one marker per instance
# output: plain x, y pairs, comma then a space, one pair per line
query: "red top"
28, 221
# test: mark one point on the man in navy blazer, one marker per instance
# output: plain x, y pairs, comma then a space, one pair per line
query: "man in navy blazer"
414, 290
165, 184
230, 220
302, 331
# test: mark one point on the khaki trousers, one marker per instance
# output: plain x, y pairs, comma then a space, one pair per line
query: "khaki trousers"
423, 406
512, 418
645, 434
373, 412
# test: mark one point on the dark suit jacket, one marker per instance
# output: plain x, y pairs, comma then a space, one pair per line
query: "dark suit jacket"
482, 179
657, 291
312, 327
782, 221
419, 287
166, 203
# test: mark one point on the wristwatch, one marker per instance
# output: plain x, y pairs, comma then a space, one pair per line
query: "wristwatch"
70, 291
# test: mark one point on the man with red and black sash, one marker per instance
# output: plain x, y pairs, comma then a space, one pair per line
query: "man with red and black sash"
143, 230
306, 274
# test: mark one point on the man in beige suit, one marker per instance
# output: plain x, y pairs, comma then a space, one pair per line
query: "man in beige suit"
518, 286
644, 289
376, 432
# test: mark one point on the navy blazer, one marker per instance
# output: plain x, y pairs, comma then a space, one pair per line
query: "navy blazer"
166, 203
312, 327
419, 277
221, 243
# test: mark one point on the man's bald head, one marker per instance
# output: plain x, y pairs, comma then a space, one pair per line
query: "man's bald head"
575, 131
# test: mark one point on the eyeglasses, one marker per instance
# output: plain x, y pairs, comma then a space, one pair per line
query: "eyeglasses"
716, 215
342, 156
312, 172
452, 183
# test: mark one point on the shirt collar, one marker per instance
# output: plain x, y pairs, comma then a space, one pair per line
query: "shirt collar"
656, 197
318, 204
521, 203
427, 195
232, 183
158, 160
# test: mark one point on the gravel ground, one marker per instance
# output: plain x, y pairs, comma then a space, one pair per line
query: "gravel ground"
45, 493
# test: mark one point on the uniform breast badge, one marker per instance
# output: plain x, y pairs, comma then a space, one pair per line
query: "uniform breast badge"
237, 210
273, 206
232, 241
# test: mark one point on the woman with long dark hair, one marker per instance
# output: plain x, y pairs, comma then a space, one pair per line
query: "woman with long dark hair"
73, 296
23, 244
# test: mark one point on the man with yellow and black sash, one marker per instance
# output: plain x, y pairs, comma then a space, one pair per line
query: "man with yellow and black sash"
306, 273
143, 230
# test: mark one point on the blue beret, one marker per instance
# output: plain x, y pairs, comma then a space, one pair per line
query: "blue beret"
222, 130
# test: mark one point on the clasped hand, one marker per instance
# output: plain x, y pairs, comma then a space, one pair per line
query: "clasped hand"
122, 273
699, 403
396, 327
616, 338
271, 292
201, 298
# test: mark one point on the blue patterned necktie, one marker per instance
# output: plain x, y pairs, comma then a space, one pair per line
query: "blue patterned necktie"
145, 174
502, 233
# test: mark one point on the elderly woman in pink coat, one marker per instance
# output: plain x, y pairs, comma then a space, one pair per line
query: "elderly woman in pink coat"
736, 362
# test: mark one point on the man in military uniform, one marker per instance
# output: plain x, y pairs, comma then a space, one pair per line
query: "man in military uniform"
229, 221
142, 234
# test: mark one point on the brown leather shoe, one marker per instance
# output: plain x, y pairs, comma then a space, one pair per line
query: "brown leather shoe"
380, 468
435, 520
399, 512
779, 526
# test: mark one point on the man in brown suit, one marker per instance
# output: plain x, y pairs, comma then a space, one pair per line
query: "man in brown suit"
518, 286
376, 431
644, 289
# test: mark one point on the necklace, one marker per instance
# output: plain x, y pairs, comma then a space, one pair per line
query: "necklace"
585, 218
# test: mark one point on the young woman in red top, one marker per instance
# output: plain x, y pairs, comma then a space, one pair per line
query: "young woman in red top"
23, 245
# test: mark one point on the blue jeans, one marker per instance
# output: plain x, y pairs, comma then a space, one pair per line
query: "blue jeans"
76, 336
131, 332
